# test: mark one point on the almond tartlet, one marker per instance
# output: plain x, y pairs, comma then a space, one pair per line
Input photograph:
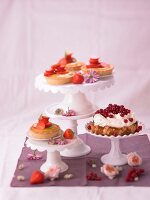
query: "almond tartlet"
44, 129
114, 120
101, 68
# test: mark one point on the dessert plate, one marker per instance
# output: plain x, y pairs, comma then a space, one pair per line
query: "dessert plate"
41, 84
50, 112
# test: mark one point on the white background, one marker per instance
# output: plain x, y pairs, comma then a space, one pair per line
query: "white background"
33, 35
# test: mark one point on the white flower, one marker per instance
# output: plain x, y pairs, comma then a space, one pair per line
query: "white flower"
68, 176
20, 178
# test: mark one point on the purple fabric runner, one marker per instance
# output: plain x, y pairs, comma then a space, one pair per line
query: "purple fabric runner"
79, 167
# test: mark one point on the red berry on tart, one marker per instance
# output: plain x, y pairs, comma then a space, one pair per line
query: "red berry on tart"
114, 120
78, 78
66, 59
96, 65
70, 63
44, 129
58, 75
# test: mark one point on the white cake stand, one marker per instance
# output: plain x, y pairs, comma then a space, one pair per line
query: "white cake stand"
115, 156
53, 152
75, 99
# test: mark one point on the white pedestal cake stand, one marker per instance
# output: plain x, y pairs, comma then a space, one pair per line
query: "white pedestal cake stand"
75, 99
115, 156
53, 152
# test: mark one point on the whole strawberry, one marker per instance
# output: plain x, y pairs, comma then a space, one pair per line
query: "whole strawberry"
77, 78
37, 177
68, 134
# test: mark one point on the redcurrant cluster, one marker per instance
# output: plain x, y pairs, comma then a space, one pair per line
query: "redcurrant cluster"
133, 174
92, 176
139, 128
114, 109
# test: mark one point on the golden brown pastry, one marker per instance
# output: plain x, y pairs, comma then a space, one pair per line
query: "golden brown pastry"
58, 75
101, 68
44, 129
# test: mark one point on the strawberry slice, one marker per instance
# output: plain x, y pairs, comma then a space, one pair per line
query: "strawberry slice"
48, 73
55, 66
94, 61
63, 72
48, 124
40, 125
44, 119
37, 177
104, 65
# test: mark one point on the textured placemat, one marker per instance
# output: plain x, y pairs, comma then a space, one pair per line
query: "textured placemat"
79, 167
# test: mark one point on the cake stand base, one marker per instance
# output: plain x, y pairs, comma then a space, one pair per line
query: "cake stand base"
114, 157
54, 159
107, 159
80, 149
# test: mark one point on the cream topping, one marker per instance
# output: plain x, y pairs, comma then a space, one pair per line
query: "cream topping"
117, 121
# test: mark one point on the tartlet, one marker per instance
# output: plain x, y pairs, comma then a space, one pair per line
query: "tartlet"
58, 75
44, 129
101, 68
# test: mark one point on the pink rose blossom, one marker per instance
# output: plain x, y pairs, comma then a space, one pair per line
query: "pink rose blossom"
52, 173
110, 171
134, 159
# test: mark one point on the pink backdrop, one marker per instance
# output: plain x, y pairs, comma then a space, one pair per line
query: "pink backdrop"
35, 33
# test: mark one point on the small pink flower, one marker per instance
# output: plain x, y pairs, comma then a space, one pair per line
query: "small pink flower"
69, 113
52, 173
91, 77
134, 159
34, 156
58, 141
110, 171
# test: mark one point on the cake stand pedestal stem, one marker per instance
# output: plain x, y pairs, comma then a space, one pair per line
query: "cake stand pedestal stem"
78, 102
54, 159
73, 125
114, 157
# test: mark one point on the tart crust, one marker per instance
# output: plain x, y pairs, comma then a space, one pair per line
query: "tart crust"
46, 133
113, 131
102, 71
59, 79
76, 66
